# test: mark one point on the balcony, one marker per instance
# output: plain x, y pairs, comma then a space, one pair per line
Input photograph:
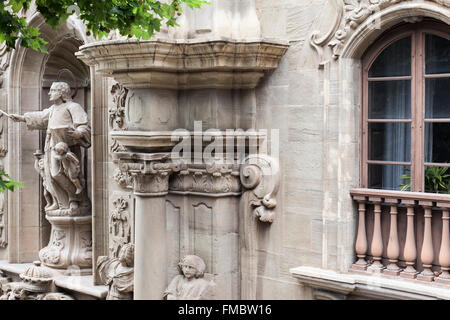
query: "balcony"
403, 235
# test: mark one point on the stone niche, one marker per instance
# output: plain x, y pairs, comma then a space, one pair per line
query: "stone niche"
197, 83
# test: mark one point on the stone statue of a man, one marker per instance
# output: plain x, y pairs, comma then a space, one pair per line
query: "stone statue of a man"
66, 124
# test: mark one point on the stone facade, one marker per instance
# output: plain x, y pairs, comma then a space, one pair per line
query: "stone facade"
291, 68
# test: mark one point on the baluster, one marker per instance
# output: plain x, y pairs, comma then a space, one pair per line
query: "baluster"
377, 242
393, 248
409, 251
361, 238
444, 253
427, 254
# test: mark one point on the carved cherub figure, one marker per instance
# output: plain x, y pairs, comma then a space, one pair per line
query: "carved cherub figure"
118, 273
190, 284
70, 164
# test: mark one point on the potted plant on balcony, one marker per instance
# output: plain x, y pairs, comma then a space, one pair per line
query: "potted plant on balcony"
436, 180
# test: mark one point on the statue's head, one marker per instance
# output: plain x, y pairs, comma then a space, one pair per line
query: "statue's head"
60, 90
192, 266
126, 255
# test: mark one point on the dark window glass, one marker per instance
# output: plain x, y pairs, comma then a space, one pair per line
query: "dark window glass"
390, 99
437, 98
437, 56
437, 142
395, 60
390, 177
390, 141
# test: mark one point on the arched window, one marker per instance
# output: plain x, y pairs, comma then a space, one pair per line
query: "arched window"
406, 110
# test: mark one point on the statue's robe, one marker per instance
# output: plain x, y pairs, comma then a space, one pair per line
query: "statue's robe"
180, 288
58, 120
119, 279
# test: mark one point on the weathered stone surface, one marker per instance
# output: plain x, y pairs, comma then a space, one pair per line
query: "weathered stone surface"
222, 69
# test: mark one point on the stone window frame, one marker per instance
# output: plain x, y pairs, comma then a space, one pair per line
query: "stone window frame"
417, 32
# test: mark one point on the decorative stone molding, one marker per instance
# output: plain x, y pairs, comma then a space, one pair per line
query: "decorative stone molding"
366, 286
3, 213
123, 179
119, 225
5, 58
208, 180
150, 172
187, 64
117, 111
36, 285
352, 14
36, 278
70, 243
260, 176
115, 146
3, 216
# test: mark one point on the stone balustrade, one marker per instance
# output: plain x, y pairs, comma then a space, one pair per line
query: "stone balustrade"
403, 234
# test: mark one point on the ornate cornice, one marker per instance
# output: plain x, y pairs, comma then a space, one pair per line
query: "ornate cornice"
350, 15
188, 64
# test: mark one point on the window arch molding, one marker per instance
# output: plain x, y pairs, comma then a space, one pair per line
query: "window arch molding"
415, 124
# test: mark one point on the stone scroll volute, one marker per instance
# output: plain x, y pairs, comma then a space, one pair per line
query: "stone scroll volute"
260, 176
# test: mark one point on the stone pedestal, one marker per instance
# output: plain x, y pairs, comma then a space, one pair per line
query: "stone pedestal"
70, 245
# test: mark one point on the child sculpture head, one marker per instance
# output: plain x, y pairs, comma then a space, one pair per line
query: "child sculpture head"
61, 149
192, 266
126, 255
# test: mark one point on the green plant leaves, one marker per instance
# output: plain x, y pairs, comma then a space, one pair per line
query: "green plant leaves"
436, 180
6, 183
139, 18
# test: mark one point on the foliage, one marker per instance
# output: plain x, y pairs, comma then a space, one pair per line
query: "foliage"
6, 183
436, 180
140, 18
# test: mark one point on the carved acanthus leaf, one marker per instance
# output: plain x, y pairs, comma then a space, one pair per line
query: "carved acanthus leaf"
212, 178
260, 176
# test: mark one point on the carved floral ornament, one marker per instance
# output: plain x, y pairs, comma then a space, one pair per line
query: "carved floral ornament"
119, 225
117, 110
350, 15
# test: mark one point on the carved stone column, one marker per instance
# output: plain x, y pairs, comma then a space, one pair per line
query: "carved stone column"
151, 174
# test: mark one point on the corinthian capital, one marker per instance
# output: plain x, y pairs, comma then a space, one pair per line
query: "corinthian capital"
150, 172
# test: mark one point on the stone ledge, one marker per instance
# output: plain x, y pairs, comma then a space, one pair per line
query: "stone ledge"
82, 284
78, 284
373, 286
165, 64
14, 268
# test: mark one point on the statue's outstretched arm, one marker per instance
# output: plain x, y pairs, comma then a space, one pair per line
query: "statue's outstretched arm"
17, 118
